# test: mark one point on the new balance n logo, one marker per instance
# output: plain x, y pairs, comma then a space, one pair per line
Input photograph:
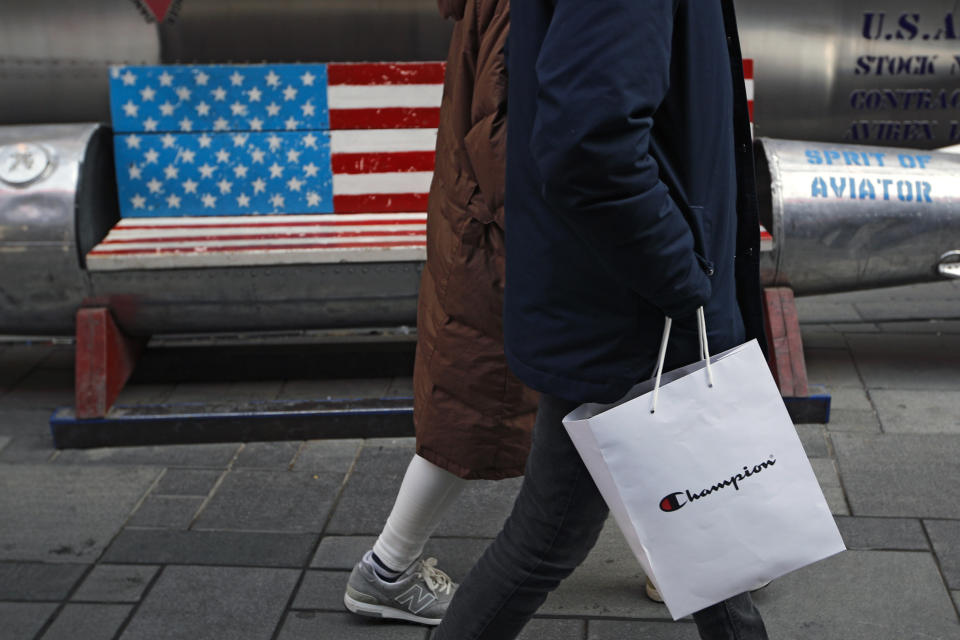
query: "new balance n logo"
416, 598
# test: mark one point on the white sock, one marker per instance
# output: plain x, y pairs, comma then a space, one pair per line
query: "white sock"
425, 494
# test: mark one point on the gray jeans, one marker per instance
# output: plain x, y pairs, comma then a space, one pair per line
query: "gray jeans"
556, 520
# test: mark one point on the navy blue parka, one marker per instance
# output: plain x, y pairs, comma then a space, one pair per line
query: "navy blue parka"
630, 191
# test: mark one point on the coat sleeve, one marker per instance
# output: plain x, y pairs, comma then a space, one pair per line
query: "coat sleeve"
603, 70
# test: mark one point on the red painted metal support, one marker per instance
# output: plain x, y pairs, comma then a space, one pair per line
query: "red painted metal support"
786, 346
105, 359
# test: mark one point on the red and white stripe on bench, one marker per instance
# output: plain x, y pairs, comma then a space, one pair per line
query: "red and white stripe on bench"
171, 243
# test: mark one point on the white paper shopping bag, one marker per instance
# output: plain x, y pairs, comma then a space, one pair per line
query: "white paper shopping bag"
706, 477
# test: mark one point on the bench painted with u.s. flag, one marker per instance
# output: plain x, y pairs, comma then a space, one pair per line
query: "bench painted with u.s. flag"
229, 165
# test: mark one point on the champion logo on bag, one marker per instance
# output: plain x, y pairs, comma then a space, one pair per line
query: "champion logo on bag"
674, 501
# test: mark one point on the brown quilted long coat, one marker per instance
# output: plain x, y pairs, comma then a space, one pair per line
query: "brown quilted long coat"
472, 416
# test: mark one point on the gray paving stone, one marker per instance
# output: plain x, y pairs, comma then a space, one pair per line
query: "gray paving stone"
309, 625
820, 336
17, 360
925, 326
166, 546
541, 628
341, 552
884, 311
41, 388
831, 367
640, 630
334, 389
60, 356
207, 392
817, 309
214, 456
894, 534
263, 500
268, 454
945, 535
38, 581
956, 600
166, 512
327, 455
213, 602
609, 583
400, 388
88, 622
187, 482
134, 395
923, 362
916, 411
481, 509
115, 583
856, 327
837, 501
851, 398
29, 433
826, 471
861, 595
900, 475
22, 620
322, 591
814, 440
55, 513
4, 441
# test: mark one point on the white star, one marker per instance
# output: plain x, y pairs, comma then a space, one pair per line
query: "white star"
313, 198
294, 185
276, 170
277, 201
273, 109
257, 155
202, 108
289, 93
256, 124
128, 79
166, 109
150, 156
223, 155
209, 201
150, 124
130, 109
204, 141
254, 94
166, 80
189, 186
275, 142
311, 170
133, 141
225, 186
291, 123
243, 200
308, 109
206, 171
155, 186
307, 79
147, 94
258, 186
173, 201
273, 79
220, 124
240, 139
168, 141
240, 171
183, 93
186, 155
238, 109
236, 79
186, 124
201, 78
171, 172
293, 156
310, 141
134, 172
138, 201
219, 94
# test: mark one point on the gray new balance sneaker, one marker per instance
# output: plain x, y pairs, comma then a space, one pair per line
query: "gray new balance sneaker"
421, 593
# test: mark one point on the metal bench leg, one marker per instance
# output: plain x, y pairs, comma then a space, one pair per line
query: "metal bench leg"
105, 358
